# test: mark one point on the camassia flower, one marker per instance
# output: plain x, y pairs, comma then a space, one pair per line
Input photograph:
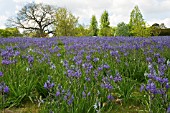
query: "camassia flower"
6, 89
1, 74
117, 78
48, 85
110, 97
168, 110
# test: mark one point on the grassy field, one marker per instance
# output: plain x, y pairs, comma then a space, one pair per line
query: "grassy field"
85, 75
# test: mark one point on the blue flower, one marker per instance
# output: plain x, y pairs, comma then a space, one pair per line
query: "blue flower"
6, 62
167, 86
30, 59
110, 97
88, 58
70, 101
142, 87
96, 59
117, 78
106, 66
58, 54
152, 88
149, 59
161, 60
84, 94
48, 85
6, 89
57, 93
168, 109
1, 74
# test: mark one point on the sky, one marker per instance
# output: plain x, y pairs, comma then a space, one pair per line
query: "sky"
153, 11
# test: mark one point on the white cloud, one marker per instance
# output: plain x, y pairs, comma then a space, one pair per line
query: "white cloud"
119, 10
2, 23
166, 21
21, 1
153, 11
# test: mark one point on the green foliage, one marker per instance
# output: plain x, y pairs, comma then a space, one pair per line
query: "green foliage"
122, 29
141, 31
165, 32
105, 29
80, 30
104, 20
87, 87
159, 30
65, 23
33, 34
9, 32
93, 26
136, 17
137, 24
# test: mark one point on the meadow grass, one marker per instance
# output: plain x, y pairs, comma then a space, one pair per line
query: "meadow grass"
85, 75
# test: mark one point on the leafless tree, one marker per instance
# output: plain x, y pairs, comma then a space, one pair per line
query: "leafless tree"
34, 17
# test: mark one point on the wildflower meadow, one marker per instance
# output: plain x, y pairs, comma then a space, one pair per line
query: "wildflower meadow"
86, 74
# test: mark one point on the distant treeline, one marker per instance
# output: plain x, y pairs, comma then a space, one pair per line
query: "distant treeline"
48, 21
161, 32
164, 32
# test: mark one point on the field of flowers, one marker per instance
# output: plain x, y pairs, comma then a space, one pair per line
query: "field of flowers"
86, 75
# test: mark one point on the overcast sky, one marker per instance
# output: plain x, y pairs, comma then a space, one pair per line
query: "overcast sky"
153, 11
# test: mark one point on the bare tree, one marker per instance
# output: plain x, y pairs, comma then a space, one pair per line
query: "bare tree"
34, 17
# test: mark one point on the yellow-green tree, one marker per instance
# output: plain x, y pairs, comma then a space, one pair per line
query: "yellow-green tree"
137, 24
81, 30
93, 26
105, 29
10, 32
65, 23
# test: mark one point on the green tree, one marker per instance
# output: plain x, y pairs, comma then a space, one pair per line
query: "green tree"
93, 26
156, 30
137, 24
122, 29
10, 32
105, 29
65, 23
81, 30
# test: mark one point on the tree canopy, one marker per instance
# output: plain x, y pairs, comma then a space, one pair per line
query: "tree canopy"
137, 24
104, 25
34, 17
10, 32
65, 23
122, 29
40, 20
93, 26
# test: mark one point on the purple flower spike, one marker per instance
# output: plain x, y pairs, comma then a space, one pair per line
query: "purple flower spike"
167, 86
142, 87
168, 109
149, 59
48, 85
1, 74
84, 94
110, 97
57, 93
117, 78
6, 89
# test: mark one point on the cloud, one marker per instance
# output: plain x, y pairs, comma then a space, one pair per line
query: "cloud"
166, 21
119, 10
2, 23
22, 1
